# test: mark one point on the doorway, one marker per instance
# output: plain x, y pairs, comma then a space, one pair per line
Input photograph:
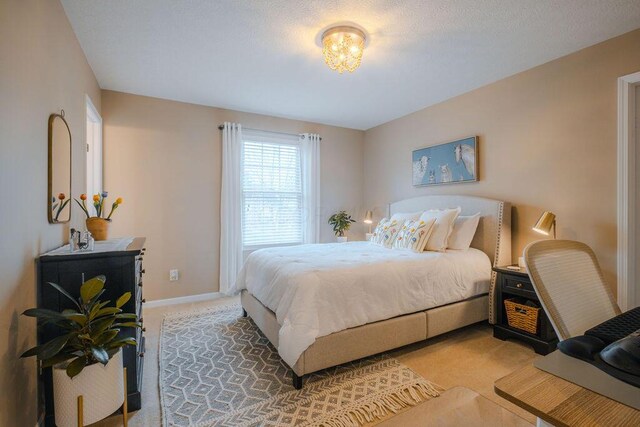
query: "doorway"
636, 239
628, 185
94, 149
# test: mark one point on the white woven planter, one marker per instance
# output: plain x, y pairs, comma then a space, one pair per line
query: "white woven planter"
342, 239
101, 387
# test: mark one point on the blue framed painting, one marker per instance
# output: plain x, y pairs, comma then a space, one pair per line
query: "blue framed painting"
448, 163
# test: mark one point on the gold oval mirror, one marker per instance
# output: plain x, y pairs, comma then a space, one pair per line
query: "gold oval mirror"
59, 206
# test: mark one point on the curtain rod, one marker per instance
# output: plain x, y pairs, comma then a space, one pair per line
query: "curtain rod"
267, 131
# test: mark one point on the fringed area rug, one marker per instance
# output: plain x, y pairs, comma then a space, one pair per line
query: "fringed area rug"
217, 369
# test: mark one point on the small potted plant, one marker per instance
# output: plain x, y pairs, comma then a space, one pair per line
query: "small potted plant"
340, 222
86, 357
98, 225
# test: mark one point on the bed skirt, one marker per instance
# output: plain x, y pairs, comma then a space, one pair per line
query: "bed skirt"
372, 338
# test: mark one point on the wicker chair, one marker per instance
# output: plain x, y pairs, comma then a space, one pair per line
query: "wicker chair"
568, 280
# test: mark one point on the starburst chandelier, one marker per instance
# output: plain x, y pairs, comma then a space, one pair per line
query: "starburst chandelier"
342, 48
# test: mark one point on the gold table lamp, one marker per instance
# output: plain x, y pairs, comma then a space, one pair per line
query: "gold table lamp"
368, 219
545, 223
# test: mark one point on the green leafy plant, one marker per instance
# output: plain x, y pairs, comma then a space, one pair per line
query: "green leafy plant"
341, 222
89, 331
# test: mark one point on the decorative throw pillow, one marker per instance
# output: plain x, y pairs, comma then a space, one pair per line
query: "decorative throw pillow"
385, 232
414, 235
442, 228
464, 228
377, 232
400, 217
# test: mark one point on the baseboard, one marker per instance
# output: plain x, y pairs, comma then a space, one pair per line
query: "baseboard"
183, 300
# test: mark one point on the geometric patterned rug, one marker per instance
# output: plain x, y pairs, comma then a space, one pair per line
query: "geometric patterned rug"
217, 369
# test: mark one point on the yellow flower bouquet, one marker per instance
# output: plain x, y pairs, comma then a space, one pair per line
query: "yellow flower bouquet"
98, 225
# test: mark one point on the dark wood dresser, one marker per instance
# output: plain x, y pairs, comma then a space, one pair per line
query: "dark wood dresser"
123, 271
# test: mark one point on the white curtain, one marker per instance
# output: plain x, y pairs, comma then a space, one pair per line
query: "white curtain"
231, 206
310, 143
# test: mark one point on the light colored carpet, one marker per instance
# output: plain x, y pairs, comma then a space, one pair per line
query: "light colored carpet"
469, 357
217, 369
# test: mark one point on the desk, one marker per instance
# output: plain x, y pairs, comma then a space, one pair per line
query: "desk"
561, 403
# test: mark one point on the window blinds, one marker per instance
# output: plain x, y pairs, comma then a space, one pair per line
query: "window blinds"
271, 193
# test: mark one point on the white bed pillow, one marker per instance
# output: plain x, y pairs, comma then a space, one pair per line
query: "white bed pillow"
464, 228
386, 232
402, 216
442, 228
414, 235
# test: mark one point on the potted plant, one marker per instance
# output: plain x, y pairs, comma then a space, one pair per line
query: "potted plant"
86, 356
341, 222
98, 225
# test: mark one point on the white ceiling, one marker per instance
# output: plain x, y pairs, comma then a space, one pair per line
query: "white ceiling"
263, 56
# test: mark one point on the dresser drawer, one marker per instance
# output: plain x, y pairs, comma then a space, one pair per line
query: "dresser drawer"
517, 284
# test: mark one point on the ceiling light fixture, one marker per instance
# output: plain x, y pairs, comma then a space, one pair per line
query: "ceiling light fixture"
342, 47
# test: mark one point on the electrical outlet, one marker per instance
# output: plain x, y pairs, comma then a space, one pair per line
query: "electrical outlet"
173, 275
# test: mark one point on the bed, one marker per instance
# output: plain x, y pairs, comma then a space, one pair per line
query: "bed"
323, 305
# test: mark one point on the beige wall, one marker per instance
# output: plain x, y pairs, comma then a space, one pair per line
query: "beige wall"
547, 138
637, 172
42, 70
164, 158
547, 142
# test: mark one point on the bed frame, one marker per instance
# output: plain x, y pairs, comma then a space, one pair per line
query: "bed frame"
492, 237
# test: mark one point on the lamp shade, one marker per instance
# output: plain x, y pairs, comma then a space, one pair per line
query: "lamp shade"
545, 223
368, 218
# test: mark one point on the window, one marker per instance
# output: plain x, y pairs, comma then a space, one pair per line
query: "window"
271, 191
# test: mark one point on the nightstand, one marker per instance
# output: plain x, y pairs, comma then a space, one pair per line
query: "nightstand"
517, 284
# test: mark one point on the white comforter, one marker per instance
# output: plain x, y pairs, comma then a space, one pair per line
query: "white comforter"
319, 289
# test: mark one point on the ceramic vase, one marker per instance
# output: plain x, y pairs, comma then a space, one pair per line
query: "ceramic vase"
98, 227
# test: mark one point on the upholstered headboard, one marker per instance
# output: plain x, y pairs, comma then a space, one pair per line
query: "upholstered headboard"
493, 236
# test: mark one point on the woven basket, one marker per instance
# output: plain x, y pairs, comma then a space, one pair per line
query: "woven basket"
522, 316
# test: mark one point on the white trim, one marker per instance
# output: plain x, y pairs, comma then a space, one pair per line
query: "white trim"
270, 137
183, 300
92, 111
92, 157
627, 297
